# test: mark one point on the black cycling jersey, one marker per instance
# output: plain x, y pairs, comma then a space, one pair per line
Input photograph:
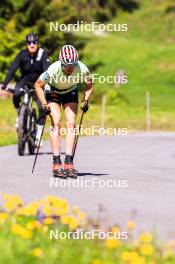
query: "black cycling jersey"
31, 66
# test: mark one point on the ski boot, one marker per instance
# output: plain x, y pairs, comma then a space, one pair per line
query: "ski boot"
58, 170
70, 171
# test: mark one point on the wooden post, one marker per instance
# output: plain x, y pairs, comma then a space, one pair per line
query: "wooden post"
148, 119
103, 111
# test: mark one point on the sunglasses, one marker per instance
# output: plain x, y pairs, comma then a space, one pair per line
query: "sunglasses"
69, 66
30, 42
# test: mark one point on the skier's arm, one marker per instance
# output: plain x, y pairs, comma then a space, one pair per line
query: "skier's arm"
87, 82
87, 94
39, 88
14, 66
88, 89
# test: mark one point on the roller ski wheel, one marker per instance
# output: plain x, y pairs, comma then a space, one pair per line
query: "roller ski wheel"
70, 171
58, 171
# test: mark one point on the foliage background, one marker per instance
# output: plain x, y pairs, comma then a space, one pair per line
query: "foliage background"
145, 53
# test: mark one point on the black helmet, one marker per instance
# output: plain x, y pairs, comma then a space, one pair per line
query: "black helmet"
32, 37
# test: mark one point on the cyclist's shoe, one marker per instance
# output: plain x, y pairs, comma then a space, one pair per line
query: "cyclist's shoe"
37, 143
16, 124
70, 171
17, 118
58, 170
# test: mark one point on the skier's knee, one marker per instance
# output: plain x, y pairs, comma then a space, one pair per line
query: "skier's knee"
70, 125
55, 128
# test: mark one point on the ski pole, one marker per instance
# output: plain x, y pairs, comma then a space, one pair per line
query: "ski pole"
38, 147
77, 136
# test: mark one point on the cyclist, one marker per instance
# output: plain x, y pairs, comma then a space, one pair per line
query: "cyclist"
61, 78
32, 61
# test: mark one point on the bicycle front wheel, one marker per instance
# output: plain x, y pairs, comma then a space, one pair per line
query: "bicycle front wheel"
22, 130
32, 132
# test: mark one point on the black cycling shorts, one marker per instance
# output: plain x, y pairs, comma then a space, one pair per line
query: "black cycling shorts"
62, 99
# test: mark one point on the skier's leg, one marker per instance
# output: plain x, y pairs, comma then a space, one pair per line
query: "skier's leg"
55, 138
70, 111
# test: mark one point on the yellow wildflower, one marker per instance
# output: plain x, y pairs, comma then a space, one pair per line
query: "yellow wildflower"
113, 243
146, 237
3, 217
47, 210
32, 208
12, 202
115, 229
146, 249
56, 202
73, 223
129, 256
48, 221
45, 228
152, 262
26, 234
16, 229
16, 199
79, 214
37, 252
50, 199
96, 261
65, 219
10, 206
58, 211
76, 209
33, 225
21, 231
139, 260
20, 211
131, 225
6, 196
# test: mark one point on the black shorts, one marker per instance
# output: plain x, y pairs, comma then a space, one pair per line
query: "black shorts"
61, 99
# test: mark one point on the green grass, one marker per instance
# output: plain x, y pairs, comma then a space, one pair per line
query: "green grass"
149, 67
146, 53
117, 116
7, 123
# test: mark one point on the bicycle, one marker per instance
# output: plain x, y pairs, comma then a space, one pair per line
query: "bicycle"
27, 117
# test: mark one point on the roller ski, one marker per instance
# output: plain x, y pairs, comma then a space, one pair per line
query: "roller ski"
57, 168
69, 169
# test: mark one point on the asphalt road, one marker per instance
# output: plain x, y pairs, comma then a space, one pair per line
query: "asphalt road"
143, 164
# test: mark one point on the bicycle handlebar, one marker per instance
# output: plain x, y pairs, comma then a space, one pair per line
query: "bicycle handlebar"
11, 90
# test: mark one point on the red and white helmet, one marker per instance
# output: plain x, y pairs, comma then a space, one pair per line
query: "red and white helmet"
68, 55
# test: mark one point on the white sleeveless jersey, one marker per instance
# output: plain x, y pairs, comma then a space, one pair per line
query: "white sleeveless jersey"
54, 77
